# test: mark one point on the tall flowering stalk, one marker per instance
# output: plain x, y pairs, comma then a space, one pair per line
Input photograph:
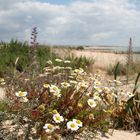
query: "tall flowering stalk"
33, 50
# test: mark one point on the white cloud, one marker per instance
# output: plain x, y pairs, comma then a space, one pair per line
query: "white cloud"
109, 22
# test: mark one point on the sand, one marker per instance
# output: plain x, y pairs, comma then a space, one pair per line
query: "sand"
2, 93
103, 60
122, 135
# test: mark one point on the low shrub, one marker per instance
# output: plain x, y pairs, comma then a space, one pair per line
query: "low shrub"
15, 50
63, 101
80, 48
123, 68
80, 62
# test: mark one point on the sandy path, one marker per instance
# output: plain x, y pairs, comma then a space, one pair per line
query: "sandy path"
122, 135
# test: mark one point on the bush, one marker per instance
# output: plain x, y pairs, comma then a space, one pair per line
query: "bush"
9, 52
123, 68
65, 101
15, 50
80, 48
80, 62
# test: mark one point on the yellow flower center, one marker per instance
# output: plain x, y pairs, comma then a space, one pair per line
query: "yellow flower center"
55, 88
58, 118
80, 105
21, 94
46, 85
78, 121
97, 89
50, 126
54, 112
91, 115
73, 125
91, 103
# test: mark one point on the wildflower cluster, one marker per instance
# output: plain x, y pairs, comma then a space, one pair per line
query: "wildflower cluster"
67, 100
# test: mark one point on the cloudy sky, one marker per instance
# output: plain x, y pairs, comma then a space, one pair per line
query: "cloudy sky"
74, 22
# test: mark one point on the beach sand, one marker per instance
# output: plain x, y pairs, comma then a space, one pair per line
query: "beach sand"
2, 93
122, 135
103, 59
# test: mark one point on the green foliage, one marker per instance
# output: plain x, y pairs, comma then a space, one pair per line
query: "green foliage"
128, 117
80, 48
80, 62
3, 106
9, 53
122, 68
136, 83
117, 69
44, 54
115, 72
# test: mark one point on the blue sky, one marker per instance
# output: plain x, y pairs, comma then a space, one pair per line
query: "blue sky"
72, 22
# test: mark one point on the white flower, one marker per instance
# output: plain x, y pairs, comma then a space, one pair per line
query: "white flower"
58, 95
67, 61
88, 93
1, 80
54, 89
73, 82
82, 86
57, 68
117, 82
21, 94
57, 118
91, 103
58, 60
97, 83
79, 123
73, 74
97, 98
24, 99
65, 85
68, 68
79, 71
129, 94
97, 89
49, 62
107, 89
46, 85
3, 83
27, 79
47, 69
72, 126
49, 127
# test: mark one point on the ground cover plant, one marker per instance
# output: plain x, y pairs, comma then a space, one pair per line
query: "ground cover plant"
63, 102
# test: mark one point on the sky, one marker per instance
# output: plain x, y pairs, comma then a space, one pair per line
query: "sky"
71, 22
